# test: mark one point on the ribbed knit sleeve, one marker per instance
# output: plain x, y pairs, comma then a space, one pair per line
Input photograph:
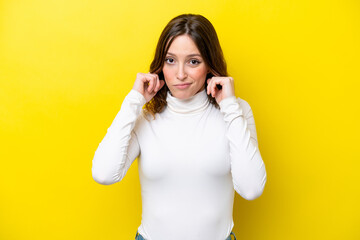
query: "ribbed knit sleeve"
247, 167
119, 148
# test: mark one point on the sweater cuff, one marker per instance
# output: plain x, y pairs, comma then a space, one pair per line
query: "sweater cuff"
230, 108
136, 97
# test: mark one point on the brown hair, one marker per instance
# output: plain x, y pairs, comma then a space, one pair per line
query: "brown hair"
204, 35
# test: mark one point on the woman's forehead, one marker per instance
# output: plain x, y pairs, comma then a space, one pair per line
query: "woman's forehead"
183, 45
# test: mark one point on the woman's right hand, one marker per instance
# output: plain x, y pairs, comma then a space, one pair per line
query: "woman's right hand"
148, 84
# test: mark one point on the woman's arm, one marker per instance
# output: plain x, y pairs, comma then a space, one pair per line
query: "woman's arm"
247, 167
119, 148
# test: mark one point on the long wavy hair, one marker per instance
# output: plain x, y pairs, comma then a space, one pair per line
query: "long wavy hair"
204, 35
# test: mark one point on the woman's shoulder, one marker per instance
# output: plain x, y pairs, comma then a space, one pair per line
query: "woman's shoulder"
146, 118
244, 105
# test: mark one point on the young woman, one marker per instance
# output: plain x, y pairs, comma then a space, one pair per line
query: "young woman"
195, 140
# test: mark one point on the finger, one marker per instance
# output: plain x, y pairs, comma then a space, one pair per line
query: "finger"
219, 83
213, 88
208, 86
157, 84
151, 83
153, 80
145, 81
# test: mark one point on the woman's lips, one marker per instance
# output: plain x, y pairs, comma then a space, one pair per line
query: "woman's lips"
183, 86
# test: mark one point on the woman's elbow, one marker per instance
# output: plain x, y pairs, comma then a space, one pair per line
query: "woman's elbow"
101, 178
254, 192
252, 195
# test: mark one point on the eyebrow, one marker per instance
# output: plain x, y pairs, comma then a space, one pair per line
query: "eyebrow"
190, 55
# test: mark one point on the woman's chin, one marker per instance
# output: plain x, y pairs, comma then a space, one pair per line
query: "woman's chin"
182, 95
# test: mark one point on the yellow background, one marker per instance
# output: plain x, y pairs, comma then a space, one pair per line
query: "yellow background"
66, 66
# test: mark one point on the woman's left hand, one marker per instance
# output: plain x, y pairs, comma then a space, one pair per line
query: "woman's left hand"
227, 87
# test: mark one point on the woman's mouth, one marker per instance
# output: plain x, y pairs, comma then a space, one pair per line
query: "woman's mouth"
183, 86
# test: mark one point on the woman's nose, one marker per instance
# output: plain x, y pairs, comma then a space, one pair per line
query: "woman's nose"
181, 74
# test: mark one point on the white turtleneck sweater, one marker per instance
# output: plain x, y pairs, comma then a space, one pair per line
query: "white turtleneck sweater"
191, 158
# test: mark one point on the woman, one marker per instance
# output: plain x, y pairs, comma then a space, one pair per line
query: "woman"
195, 141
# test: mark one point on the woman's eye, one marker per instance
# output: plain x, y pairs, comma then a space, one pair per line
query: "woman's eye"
169, 60
194, 62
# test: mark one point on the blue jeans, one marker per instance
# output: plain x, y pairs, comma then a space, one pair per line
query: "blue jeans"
139, 237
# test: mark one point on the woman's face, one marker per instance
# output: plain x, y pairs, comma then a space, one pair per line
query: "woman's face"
184, 68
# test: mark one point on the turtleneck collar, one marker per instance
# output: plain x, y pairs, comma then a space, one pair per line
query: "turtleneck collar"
194, 104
